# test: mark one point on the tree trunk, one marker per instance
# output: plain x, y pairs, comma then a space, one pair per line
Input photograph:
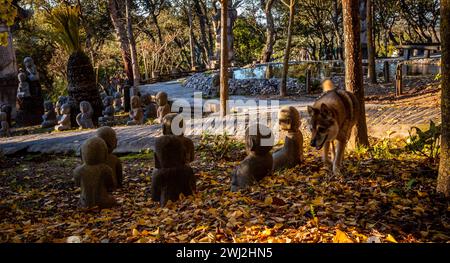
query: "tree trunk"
287, 51
191, 37
443, 182
203, 33
134, 58
372, 76
270, 31
353, 65
117, 20
224, 58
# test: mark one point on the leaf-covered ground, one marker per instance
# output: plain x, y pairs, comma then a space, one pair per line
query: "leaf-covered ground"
386, 193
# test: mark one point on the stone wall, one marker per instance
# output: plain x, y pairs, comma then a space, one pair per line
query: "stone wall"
208, 83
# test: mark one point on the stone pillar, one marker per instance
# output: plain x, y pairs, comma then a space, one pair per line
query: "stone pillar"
8, 72
232, 16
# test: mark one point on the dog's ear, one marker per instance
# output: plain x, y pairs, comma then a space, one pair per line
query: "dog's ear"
325, 111
312, 111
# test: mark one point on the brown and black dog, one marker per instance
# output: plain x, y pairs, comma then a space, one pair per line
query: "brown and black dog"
332, 117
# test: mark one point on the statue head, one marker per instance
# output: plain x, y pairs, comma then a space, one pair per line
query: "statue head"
289, 118
85, 107
146, 99
28, 62
65, 108
107, 101
161, 98
117, 95
258, 139
22, 77
48, 105
94, 151
172, 124
109, 136
135, 102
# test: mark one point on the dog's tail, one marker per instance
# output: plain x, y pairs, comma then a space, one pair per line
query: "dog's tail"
328, 85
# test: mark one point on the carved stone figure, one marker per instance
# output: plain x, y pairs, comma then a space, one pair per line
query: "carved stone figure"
150, 108
136, 113
110, 138
30, 104
6, 108
4, 125
64, 123
94, 175
173, 125
30, 67
258, 163
292, 152
61, 101
49, 117
23, 91
172, 176
84, 118
118, 102
108, 112
163, 105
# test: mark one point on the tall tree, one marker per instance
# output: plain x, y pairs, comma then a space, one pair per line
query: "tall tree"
118, 20
353, 65
132, 46
287, 51
443, 182
372, 76
207, 52
270, 30
65, 21
224, 58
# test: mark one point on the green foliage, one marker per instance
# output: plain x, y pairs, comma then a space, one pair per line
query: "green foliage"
8, 13
425, 143
221, 147
383, 148
248, 40
65, 21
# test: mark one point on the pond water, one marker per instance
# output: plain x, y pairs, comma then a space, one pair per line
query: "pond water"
323, 70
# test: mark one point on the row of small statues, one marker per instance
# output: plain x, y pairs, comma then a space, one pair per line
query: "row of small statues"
59, 116
101, 171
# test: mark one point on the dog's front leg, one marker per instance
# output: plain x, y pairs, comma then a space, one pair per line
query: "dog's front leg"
326, 157
340, 150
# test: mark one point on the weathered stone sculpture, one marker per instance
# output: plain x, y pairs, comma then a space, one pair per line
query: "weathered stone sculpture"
258, 163
49, 117
110, 138
23, 91
64, 123
6, 108
173, 125
4, 125
172, 176
84, 118
61, 101
118, 102
150, 108
292, 152
136, 113
30, 67
94, 175
108, 112
163, 105
30, 104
